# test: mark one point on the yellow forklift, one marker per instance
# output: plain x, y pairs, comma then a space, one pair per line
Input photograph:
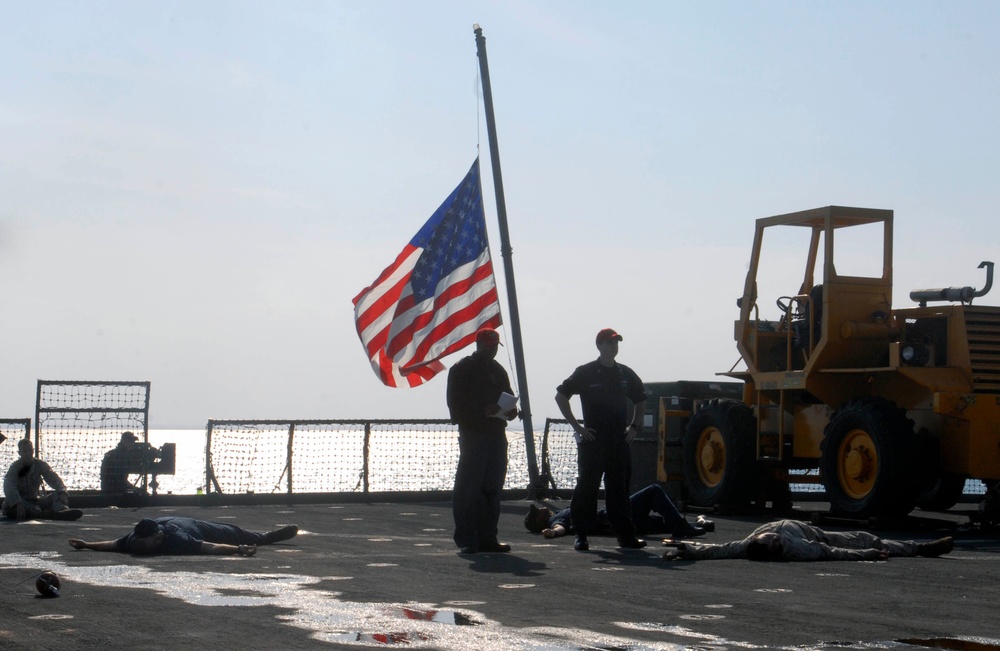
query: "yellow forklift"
889, 408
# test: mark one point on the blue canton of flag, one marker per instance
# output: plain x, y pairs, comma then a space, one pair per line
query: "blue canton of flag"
450, 240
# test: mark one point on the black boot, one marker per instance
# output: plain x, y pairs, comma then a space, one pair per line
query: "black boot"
687, 530
284, 533
631, 542
935, 547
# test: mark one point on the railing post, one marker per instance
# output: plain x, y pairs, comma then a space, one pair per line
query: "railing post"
208, 458
546, 472
38, 420
288, 454
364, 469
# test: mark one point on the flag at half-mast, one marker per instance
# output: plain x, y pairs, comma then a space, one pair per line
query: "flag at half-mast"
430, 302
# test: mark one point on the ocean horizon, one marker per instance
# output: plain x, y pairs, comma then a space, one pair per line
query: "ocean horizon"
189, 470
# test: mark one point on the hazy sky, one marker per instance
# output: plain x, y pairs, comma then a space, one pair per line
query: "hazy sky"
192, 193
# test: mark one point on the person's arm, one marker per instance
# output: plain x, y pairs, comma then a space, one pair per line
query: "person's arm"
638, 413
637, 395
11, 494
221, 549
97, 546
54, 482
562, 401
706, 552
461, 406
824, 552
512, 413
555, 531
26, 510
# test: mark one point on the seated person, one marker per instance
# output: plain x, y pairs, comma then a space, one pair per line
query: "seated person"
22, 484
652, 513
791, 540
116, 465
181, 535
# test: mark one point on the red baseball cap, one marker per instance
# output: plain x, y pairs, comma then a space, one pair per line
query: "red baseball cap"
607, 335
488, 336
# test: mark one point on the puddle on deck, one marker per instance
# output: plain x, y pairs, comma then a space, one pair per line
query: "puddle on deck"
411, 625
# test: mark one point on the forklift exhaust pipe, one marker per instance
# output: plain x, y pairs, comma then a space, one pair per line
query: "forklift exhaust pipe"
961, 294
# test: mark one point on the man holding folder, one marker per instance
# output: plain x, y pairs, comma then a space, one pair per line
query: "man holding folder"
477, 387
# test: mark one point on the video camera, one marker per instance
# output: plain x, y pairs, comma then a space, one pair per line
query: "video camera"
144, 459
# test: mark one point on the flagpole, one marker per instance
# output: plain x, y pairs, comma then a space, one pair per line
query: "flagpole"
534, 484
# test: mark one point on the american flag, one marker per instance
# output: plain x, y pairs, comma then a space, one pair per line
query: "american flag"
431, 301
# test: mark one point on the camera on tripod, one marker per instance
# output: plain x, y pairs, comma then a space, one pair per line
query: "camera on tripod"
134, 457
144, 459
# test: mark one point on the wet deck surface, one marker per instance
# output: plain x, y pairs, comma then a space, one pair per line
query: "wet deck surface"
376, 575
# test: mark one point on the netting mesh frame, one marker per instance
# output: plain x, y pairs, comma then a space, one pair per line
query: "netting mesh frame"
375, 453
287, 476
14, 429
76, 472
559, 444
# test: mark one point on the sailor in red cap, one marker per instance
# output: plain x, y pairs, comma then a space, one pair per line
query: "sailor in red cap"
475, 386
605, 388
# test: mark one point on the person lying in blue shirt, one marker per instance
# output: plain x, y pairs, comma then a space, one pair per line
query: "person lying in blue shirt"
652, 513
182, 535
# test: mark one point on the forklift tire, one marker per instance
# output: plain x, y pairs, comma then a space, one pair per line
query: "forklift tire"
941, 493
718, 453
870, 463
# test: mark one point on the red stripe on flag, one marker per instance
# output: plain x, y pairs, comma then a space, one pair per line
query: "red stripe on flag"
455, 292
459, 318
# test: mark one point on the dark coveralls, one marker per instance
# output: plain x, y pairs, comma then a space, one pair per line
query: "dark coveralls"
604, 392
651, 508
474, 383
114, 471
185, 535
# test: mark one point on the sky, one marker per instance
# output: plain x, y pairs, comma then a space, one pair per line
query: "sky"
192, 193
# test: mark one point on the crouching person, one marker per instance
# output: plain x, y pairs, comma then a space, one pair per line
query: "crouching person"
23, 497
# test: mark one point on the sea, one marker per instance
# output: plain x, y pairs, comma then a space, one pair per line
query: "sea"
190, 470
435, 472
189, 475
329, 460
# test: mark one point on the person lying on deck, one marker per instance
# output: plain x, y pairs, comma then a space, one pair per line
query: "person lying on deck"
791, 540
181, 535
652, 513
